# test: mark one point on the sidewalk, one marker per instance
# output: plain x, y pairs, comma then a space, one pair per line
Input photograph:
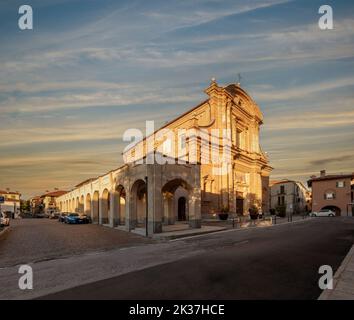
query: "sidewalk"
247, 223
343, 281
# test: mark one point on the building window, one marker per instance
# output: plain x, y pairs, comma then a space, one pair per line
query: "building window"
281, 201
167, 148
340, 184
282, 189
182, 141
238, 139
329, 195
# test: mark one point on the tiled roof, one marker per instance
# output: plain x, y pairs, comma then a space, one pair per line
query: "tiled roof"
9, 192
273, 182
54, 194
330, 177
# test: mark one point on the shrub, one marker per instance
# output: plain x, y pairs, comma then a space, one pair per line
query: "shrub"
254, 212
281, 211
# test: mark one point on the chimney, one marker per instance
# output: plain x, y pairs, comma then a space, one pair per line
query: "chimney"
323, 173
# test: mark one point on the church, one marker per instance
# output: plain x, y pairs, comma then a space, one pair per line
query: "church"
206, 161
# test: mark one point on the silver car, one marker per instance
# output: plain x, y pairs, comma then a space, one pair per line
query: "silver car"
4, 220
323, 213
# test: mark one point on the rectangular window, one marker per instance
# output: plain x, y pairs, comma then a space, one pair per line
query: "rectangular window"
167, 148
238, 139
282, 189
281, 201
329, 196
182, 141
340, 184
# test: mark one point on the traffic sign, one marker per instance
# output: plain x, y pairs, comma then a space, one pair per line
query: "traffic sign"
2, 199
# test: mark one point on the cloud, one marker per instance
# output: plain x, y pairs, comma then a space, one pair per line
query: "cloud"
302, 91
204, 15
337, 159
311, 120
92, 94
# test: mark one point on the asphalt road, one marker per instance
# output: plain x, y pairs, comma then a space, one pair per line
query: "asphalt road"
279, 262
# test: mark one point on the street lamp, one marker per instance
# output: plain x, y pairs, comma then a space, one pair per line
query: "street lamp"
146, 207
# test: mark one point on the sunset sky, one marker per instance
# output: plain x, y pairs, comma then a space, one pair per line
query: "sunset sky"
91, 69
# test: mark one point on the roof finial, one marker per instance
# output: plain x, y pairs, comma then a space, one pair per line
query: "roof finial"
239, 79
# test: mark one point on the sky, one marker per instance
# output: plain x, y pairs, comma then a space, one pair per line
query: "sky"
91, 69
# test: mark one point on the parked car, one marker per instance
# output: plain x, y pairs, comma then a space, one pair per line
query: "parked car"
323, 213
74, 218
41, 215
86, 218
54, 215
61, 217
4, 220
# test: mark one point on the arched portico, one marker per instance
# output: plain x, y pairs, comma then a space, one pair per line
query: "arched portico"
175, 195
105, 203
120, 205
95, 207
81, 204
88, 205
138, 204
141, 196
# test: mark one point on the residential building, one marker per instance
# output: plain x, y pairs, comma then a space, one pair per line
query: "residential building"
292, 195
333, 191
12, 202
46, 203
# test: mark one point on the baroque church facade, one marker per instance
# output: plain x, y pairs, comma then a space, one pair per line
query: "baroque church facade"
205, 161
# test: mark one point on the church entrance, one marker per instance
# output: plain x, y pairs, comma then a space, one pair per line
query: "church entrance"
182, 209
239, 206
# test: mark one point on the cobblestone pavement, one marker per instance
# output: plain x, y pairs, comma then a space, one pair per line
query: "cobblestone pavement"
33, 240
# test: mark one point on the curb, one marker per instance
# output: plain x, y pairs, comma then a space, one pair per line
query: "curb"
326, 294
241, 229
184, 236
4, 232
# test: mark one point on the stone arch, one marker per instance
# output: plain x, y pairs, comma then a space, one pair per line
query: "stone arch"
88, 205
172, 192
138, 204
81, 204
105, 207
77, 204
120, 208
95, 207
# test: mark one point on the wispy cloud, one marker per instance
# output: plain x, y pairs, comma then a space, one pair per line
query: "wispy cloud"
337, 160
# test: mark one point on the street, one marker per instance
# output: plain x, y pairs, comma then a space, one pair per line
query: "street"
279, 262
274, 263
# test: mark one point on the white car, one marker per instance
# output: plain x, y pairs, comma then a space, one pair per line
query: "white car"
323, 213
4, 220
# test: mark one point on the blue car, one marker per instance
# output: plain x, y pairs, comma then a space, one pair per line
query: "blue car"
73, 218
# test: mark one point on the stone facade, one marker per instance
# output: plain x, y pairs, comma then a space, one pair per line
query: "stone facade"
196, 174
